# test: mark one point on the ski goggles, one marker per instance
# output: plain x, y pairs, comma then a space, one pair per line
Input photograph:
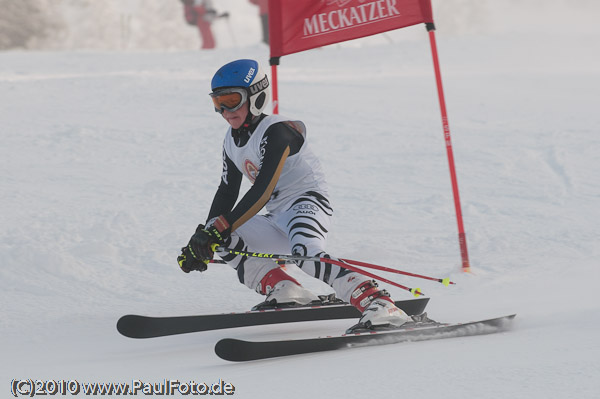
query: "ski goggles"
229, 99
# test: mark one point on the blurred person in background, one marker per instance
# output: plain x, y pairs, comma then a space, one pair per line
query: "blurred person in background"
201, 13
263, 10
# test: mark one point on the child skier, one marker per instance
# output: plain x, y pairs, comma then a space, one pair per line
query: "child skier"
272, 152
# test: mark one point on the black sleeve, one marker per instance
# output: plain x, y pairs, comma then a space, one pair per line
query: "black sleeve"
296, 140
228, 191
279, 142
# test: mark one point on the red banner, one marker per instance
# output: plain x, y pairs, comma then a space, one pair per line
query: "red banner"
298, 25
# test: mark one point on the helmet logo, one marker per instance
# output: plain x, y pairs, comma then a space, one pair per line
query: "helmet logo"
249, 75
259, 86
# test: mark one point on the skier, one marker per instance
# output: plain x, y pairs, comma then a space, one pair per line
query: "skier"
201, 13
272, 152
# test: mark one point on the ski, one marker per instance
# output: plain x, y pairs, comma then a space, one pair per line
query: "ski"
136, 326
238, 350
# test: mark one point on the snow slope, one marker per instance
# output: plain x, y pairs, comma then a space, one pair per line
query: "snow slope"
110, 159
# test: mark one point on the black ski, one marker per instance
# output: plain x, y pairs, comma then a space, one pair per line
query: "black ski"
239, 350
135, 326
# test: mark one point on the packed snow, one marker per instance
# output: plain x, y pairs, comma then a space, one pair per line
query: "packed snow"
110, 159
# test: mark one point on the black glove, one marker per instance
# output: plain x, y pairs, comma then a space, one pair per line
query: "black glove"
187, 262
200, 244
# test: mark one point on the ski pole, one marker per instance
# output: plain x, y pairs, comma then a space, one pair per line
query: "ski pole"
222, 262
225, 15
446, 281
290, 258
216, 248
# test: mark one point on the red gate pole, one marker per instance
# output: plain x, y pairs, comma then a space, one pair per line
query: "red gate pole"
274, 61
462, 238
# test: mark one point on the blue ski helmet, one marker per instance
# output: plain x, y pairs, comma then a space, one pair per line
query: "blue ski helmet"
246, 74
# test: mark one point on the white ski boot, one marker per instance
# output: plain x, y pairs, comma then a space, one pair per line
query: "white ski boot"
288, 291
282, 290
383, 313
378, 309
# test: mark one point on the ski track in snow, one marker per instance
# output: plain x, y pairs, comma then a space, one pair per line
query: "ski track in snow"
110, 159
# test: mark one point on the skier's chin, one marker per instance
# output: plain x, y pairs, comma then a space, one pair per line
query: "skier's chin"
235, 123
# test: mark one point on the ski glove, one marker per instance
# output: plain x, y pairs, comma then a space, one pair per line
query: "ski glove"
187, 262
200, 244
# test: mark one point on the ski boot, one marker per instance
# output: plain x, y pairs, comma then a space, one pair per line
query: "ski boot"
283, 291
378, 310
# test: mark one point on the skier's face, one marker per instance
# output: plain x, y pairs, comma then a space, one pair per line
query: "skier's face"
236, 118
